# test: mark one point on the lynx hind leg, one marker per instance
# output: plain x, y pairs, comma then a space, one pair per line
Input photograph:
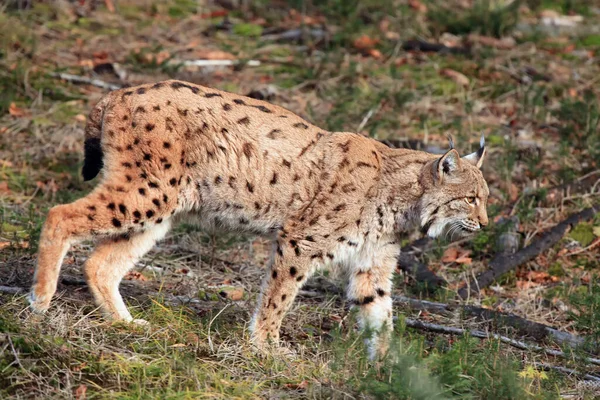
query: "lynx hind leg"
370, 290
107, 211
111, 260
290, 268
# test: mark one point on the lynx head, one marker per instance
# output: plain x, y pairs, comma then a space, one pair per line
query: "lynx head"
455, 194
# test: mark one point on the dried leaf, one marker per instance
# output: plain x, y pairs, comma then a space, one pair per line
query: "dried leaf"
463, 259
80, 392
4, 187
17, 111
418, 6
232, 293
456, 76
523, 285
109, 5
215, 55
135, 276
365, 43
538, 276
450, 255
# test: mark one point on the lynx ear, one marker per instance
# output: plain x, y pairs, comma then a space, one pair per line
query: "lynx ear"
448, 164
476, 158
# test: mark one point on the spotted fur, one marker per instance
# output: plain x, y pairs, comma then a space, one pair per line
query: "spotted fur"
173, 150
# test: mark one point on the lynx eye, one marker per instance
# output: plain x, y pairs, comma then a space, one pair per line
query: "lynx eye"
471, 200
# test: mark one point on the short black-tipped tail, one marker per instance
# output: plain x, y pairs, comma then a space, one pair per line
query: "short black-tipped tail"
92, 163
92, 146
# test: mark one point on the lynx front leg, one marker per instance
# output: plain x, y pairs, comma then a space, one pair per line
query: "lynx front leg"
289, 270
370, 290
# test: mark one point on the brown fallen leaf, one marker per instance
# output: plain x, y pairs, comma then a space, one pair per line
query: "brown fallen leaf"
456, 76
109, 5
16, 111
523, 285
505, 43
80, 392
365, 43
463, 259
215, 55
450, 255
232, 293
538, 276
418, 6
4, 187
135, 276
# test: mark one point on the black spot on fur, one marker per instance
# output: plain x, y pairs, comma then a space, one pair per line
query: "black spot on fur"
156, 108
137, 214
93, 158
299, 279
153, 185
218, 180
250, 187
122, 208
381, 292
301, 125
263, 109
227, 107
330, 256
111, 206
141, 90
149, 213
172, 181
239, 101
209, 95
244, 121
165, 198
156, 202
116, 223
293, 271
273, 179
142, 191
287, 163
147, 156
274, 274
149, 127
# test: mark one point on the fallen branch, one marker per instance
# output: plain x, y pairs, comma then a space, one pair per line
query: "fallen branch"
503, 263
425, 326
11, 289
523, 327
567, 371
218, 63
88, 81
420, 45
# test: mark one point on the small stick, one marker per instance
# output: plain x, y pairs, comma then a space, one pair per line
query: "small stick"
88, 81
567, 371
425, 326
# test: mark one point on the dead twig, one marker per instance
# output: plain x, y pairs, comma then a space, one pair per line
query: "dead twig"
425, 326
503, 263
87, 81
567, 371
496, 319
11, 289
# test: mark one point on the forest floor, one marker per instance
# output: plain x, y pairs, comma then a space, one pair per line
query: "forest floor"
524, 73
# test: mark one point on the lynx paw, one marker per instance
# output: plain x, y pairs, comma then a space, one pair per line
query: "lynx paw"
38, 304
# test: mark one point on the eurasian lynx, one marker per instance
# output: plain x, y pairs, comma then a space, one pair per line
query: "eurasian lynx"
171, 150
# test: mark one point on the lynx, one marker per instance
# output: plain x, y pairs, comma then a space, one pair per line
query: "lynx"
173, 150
